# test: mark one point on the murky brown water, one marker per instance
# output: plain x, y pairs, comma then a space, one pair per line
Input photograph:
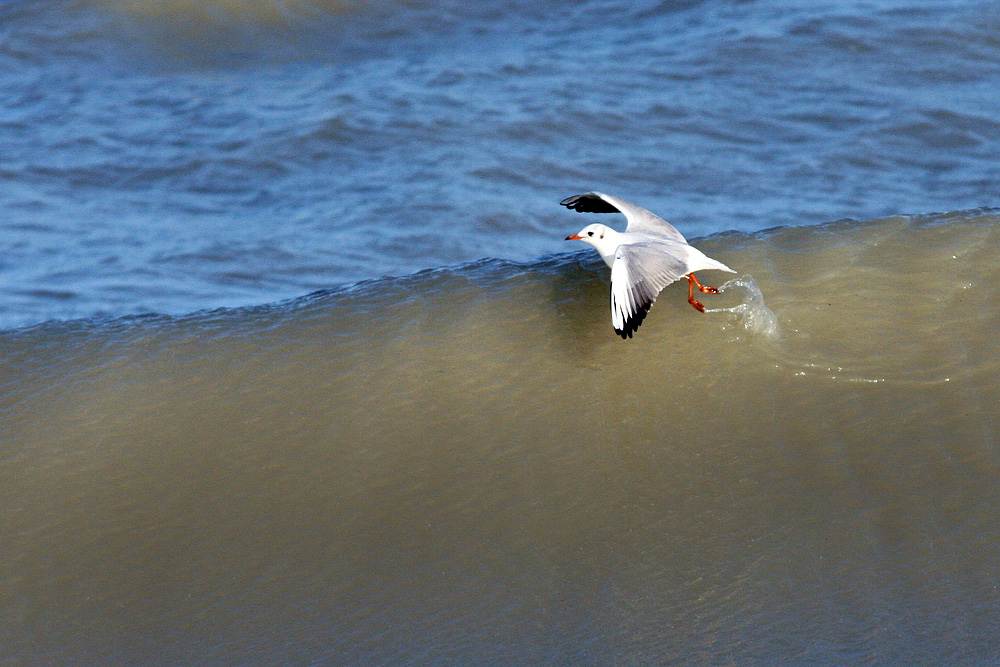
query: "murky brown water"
468, 467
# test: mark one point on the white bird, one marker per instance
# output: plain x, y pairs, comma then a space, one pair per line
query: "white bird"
649, 255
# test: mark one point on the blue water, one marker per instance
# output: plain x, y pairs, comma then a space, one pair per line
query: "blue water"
465, 465
174, 156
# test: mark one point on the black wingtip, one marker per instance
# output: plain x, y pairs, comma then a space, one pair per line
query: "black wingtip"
633, 323
588, 203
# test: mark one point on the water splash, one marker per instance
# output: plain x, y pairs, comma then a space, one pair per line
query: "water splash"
752, 314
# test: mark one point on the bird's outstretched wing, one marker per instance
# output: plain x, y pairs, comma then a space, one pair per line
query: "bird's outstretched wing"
639, 219
638, 274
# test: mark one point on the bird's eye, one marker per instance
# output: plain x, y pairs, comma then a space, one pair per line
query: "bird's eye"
590, 233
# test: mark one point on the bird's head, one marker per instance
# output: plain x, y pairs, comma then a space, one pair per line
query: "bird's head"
592, 234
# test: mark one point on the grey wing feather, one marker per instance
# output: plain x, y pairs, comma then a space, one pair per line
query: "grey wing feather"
638, 274
639, 219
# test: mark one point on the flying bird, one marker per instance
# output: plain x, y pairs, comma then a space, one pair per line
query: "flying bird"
649, 255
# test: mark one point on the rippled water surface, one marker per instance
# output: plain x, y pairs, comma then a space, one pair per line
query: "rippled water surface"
296, 369
173, 156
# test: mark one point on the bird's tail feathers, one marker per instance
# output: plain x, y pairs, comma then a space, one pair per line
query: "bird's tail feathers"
716, 264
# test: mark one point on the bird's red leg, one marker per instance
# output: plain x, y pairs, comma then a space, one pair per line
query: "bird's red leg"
693, 301
704, 288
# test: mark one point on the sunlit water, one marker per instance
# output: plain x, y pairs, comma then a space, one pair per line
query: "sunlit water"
296, 368
469, 467
172, 156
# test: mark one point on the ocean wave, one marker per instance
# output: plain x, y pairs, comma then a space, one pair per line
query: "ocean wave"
805, 282
465, 455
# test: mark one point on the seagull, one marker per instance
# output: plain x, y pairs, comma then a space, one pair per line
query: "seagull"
649, 255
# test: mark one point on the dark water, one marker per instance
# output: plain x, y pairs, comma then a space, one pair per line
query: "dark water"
217, 447
172, 156
468, 467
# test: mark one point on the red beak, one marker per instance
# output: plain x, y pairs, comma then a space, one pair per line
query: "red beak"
573, 237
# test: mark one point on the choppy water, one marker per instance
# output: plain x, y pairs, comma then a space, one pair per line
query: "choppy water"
338, 393
171, 156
